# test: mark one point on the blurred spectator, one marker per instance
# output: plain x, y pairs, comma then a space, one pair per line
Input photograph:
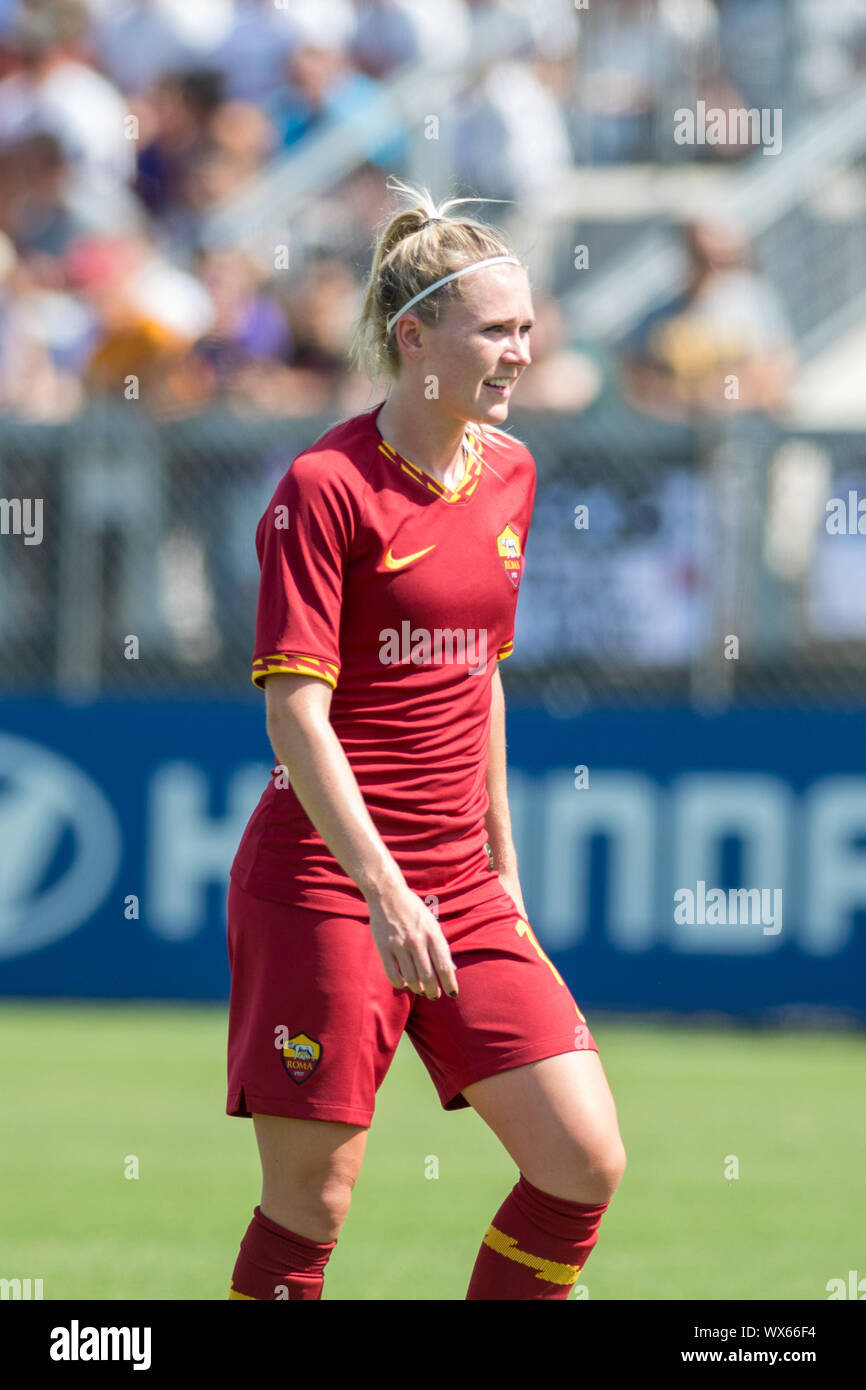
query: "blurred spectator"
831, 47
512, 139
324, 89
196, 150
34, 209
202, 25
341, 222
262, 355
220, 87
512, 131
178, 121
555, 31
138, 41
722, 346
754, 47
240, 140
625, 66
253, 55
40, 379
337, 18
322, 307
7, 14
393, 33
52, 89
247, 346
148, 313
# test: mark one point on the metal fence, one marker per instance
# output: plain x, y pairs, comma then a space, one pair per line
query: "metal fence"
664, 564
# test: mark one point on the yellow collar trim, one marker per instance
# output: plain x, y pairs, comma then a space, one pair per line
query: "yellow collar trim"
468, 483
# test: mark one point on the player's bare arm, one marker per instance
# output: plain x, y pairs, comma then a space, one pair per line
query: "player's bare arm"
408, 937
498, 819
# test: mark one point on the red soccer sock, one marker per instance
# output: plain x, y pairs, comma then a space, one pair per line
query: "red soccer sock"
536, 1246
275, 1263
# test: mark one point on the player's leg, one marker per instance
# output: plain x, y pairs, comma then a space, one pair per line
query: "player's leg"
557, 1119
309, 1168
515, 1045
313, 1026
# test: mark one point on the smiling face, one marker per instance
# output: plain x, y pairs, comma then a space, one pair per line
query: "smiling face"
482, 336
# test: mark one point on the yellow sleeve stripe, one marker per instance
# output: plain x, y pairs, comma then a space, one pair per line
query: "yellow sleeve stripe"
247, 1297
505, 651
294, 663
331, 666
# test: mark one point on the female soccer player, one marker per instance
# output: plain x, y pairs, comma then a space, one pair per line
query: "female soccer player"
364, 899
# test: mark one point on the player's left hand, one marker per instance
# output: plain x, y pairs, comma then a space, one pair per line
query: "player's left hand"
511, 884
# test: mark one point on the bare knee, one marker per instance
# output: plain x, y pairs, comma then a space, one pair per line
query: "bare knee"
589, 1175
309, 1169
312, 1205
602, 1170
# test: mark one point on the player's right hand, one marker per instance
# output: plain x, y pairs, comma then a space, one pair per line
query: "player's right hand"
411, 943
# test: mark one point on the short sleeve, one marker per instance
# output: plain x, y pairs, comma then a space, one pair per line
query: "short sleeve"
302, 542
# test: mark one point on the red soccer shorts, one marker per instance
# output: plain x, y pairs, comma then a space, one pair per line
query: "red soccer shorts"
314, 1022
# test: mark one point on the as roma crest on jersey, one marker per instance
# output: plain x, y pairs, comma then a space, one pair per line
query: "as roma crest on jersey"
508, 545
301, 1057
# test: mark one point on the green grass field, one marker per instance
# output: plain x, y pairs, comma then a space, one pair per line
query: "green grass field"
86, 1085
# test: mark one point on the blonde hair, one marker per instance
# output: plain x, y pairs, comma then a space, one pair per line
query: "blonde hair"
419, 246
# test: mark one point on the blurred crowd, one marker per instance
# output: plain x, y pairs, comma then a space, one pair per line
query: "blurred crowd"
125, 123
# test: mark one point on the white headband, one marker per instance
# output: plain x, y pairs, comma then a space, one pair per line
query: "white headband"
476, 265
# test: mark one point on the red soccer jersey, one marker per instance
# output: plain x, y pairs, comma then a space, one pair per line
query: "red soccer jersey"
401, 595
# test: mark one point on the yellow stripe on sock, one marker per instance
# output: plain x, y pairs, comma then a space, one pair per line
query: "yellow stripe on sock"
247, 1297
547, 1269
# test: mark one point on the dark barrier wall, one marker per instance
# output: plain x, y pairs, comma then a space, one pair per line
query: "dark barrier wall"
118, 822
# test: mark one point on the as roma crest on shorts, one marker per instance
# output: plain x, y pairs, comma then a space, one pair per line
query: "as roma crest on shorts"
508, 545
301, 1057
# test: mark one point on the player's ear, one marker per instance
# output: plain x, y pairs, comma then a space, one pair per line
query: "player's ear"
410, 330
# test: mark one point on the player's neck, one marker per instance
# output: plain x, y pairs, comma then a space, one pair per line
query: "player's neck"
428, 439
